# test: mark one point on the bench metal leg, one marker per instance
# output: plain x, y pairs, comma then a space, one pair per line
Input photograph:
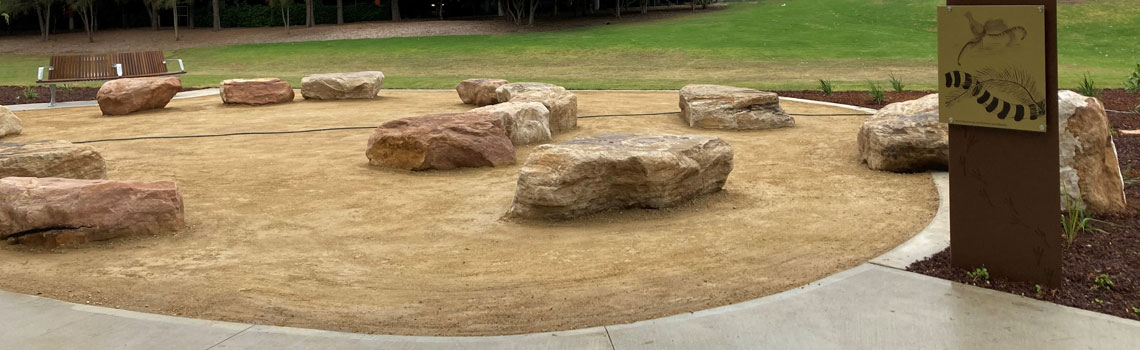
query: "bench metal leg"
52, 87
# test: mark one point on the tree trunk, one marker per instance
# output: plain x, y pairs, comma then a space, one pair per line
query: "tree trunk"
339, 12
152, 10
44, 18
533, 7
217, 16
617, 8
396, 10
190, 14
693, 5
308, 13
176, 21
644, 6
85, 16
285, 18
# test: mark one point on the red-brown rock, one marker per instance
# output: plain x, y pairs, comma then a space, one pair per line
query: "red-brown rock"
479, 92
51, 159
256, 91
443, 141
129, 95
55, 212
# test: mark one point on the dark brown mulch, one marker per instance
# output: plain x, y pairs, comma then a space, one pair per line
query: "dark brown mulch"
1120, 100
1116, 253
856, 98
12, 95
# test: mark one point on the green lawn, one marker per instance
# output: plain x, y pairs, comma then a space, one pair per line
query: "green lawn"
787, 44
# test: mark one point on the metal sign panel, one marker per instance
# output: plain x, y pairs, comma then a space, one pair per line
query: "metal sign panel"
991, 65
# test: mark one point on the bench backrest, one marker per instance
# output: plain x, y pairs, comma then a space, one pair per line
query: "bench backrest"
102, 66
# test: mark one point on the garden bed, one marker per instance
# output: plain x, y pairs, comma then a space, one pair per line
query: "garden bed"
12, 95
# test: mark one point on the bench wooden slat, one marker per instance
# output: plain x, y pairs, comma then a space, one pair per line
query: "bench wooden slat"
77, 68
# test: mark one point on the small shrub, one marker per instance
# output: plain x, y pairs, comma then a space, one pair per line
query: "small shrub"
1103, 281
876, 92
1040, 290
896, 83
980, 273
1132, 84
825, 86
1098, 301
30, 93
1088, 87
1136, 309
1078, 220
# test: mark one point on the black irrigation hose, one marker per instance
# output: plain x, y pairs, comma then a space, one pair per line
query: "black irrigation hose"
1122, 112
368, 127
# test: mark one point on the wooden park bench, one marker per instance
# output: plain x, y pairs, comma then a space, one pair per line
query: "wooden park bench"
81, 68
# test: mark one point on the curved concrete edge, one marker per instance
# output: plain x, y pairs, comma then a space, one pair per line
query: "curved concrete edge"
931, 240
857, 108
40, 106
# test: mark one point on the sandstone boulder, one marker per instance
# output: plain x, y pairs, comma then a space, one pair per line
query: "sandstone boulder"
51, 159
524, 122
727, 107
906, 137
563, 105
479, 92
1090, 171
342, 86
443, 141
54, 212
9, 122
256, 91
129, 95
591, 174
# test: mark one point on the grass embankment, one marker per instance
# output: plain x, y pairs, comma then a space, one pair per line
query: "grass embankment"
787, 44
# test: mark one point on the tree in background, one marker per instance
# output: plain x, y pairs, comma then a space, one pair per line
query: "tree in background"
41, 7
217, 15
396, 10
309, 13
284, 6
85, 9
4, 14
152, 11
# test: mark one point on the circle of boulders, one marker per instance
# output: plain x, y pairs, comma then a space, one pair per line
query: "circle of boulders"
563, 104
255, 92
129, 95
442, 141
591, 174
479, 92
727, 107
524, 122
342, 86
51, 159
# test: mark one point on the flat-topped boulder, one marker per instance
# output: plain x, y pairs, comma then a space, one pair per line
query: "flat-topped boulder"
905, 137
479, 92
9, 123
53, 212
727, 107
129, 95
255, 92
342, 86
524, 122
591, 174
563, 105
1090, 170
51, 159
442, 141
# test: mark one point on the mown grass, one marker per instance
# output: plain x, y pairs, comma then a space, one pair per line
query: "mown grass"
787, 44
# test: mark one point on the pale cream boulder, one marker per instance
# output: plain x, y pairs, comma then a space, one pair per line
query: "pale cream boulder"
53, 212
442, 142
479, 92
129, 95
727, 107
51, 159
1090, 170
256, 92
342, 86
524, 122
563, 105
592, 174
905, 137
9, 123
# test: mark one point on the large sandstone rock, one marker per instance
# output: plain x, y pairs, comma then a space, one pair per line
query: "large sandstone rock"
9, 123
586, 175
53, 212
905, 137
342, 86
563, 105
51, 159
524, 122
1090, 171
479, 92
129, 95
443, 141
727, 107
256, 91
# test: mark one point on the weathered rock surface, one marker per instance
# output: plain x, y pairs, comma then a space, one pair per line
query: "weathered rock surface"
256, 91
524, 122
443, 141
129, 95
563, 105
9, 122
51, 159
342, 86
54, 212
906, 137
479, 92
1090, 171
591, 174
727, 107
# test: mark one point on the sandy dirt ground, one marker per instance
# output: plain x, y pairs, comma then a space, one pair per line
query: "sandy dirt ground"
298, 230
